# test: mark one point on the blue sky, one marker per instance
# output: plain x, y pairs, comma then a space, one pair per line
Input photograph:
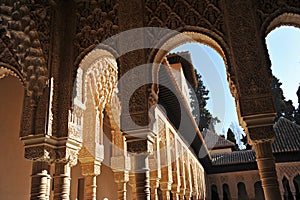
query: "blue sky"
284, 47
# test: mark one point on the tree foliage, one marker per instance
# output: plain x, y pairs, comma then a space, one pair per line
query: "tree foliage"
245, 142
297, 111
283, 107
231, 137
205, 118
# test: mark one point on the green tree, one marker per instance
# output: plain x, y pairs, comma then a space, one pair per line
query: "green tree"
245, 142
199, 100
231, 137
297, 112
283, 107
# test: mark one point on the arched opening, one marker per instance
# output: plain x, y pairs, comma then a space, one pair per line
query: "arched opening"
287, 190
283, 43
213, 75
259, 192
242, 191
214, 192
15, 170
95, 115
221, 99
226, 192
296, 182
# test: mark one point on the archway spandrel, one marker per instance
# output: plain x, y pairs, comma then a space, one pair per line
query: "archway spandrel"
267, 11
206, 14
95, 23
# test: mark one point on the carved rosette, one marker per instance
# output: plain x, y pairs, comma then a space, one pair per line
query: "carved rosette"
25, 47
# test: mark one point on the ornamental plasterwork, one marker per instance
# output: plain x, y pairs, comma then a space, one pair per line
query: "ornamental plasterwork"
103, 80
20, 30
289, 170
98, 73
5, 72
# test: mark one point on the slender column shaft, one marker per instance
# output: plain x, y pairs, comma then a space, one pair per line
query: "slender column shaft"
40, 181
62, 181
133, 185
153, 189
90, 186
90, 171
175, 195
121, 178
122, 190
142, 177
165, 188
267, 171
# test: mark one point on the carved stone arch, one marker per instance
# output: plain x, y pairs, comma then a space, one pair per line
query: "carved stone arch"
192, 34
94, 86
284, 19
8, 59
20, 29
104, 48
7, 70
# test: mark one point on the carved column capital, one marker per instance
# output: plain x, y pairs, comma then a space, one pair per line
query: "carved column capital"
91, 168
259, 128
40, 153
50, 149
120, 163
40, 148
67, 155
140, 141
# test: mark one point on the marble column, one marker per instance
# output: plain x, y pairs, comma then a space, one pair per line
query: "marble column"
266, 167
166, 190
121, 178
154, 184
90, 171
40, 180
142, 177
62, 181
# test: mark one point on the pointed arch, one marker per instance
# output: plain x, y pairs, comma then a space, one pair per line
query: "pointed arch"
287, 190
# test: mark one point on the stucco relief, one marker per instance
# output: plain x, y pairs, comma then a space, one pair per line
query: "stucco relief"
96, 21
268, 10
25, 47
177, 14
6, 72
290, 170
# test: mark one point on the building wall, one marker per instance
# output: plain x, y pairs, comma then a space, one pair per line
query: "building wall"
106, 186
15, 170
181, 81
249, 178
288, 170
